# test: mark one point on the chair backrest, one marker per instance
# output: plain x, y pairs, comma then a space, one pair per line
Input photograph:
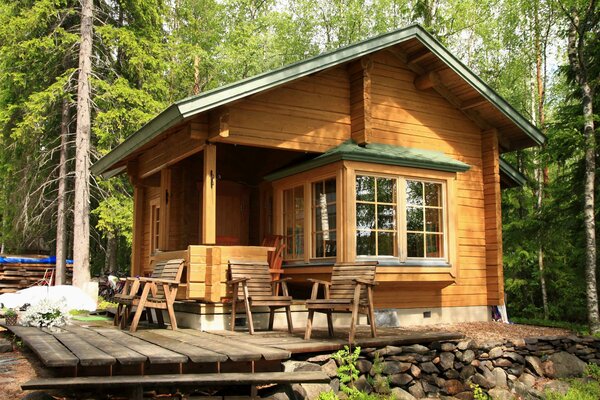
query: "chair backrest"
259, 283
171, 270
275, 258
342, 276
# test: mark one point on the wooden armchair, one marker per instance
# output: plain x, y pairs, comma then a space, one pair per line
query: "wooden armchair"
350, 290
157, 293
252, 285
275, 257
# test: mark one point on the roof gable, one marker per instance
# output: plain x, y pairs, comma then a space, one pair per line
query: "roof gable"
184, 109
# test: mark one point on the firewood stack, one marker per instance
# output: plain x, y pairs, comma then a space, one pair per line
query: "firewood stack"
18, 273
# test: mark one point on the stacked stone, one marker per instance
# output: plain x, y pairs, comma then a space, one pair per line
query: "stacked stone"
505, 369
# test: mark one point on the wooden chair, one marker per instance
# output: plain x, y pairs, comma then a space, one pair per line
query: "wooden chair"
350, 290
252, 285
275, 257
129, 293
47, 279
158, 294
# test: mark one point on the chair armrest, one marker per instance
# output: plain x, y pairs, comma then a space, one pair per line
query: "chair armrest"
365, 282
319, 281
280, 280
238, 280
158, 280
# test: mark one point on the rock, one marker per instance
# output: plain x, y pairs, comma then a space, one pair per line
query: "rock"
429, 367
319, 358
430, 389
467, 372
502, 362
467, 356
486, 365
361, 384
400, 379
330, 368
556, 386
496, 352
446, 360
514, 357
501, 394
467, 395
415, 371
480, 380
381, 385
563, 365
390, 351
395, 367
526, 392
448, 346
364, 366
476, 363
416, 348
5, 346
417, 390
452, 374
400, 394
453, 386
535, 364
313, 390
439, 381
291, 366
515, 370
527, 379
298, 391
500, 378
436, 360
466, 344
335, 384
411, 358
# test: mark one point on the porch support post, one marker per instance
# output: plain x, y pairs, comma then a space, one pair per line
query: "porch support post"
138, 234
209, 195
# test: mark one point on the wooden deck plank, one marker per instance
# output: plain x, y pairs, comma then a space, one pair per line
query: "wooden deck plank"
47, 347
194, 353
231, 350
269, 353
155, 354
147, 381
87, 353
123, 354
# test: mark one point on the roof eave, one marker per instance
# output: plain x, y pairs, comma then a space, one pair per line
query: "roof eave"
512, 173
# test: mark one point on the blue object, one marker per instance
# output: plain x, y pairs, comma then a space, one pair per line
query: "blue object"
30, 260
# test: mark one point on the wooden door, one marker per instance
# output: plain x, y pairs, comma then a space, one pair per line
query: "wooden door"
233, 204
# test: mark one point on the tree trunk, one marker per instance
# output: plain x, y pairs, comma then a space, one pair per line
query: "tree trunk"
61, 219
110, 265
81, 222
577, 62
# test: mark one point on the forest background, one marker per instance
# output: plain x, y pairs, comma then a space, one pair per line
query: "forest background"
146, 54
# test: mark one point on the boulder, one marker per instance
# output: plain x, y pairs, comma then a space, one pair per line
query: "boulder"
416, 390
364, 366
381, 385
467, 372
415, 371
514, 357
429, 367
313, 390
400, 394
563, 365
395, 367
466, 395
447, 346
502, 362
480, 380
5, 346
500, 378
556, 386
466, 344
527, 392
467, 356
416, 348
330, 368
390, 351
400, 379
362, 384
453, 386
319, 358
496, 352
527, 379
535, 365
501, 394
291, 366
446, 360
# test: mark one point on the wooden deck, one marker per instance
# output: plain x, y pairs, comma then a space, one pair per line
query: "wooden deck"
79, 350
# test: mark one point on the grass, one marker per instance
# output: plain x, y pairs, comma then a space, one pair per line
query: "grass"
572, 326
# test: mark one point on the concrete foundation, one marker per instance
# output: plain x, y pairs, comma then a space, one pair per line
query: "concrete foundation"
210, 317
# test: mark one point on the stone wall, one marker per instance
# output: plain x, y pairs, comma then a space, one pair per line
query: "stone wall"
505, 370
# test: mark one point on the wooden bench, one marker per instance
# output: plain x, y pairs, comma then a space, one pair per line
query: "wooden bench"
350, 290
136, 384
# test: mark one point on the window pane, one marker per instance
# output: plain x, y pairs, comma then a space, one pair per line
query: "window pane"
435, 246
414, 192
318, 219
317, 193
414, 218
318, 245
365, 188
299, 246
386, 217
414, 245
433, 219
330, 245
433, 194
365, 216
365, 243
386, 190
330, 188
387, 243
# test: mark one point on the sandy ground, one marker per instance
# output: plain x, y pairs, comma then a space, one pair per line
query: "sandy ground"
21, 365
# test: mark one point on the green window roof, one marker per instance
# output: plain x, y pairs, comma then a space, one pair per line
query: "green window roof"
377, 153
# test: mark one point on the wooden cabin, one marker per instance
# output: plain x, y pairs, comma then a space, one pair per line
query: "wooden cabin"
386, 150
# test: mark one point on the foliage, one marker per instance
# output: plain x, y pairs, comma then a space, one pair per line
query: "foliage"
478, 393
347, 371
9, 312
47, 313
581, 329
587, 388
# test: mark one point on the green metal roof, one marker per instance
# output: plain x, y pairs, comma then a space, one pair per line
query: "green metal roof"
377, 153
510, 172
186, 108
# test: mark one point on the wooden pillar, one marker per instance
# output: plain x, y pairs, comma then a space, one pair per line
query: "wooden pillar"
209, 195
360, 100
138, 230
493, 217
165, 203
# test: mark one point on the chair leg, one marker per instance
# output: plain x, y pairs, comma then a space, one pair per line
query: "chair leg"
371, 312
233, 307
249, 316
288, 314
309, 324
159, 317
330, 323
140, 308
172, 317
353, 323
271, 317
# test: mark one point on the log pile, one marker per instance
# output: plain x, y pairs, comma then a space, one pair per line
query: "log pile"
15, 276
